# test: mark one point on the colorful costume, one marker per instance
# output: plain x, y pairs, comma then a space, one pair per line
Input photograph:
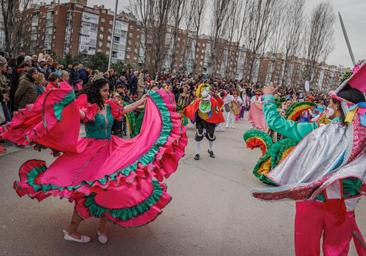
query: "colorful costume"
105, 175
300, 111
273, 152
255, 116
327, 170
183, 101
206, 112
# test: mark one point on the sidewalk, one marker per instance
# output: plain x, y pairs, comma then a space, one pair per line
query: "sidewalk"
10, 148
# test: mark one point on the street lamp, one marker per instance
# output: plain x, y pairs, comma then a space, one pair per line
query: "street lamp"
113, 28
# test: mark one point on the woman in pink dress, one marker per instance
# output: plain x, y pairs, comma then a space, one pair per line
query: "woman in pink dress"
107, 177
256, 116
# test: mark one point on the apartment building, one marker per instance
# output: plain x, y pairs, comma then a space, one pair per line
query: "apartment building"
271, 70
73, 28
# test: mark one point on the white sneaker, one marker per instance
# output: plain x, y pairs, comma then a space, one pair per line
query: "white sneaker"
83, 239
102, 238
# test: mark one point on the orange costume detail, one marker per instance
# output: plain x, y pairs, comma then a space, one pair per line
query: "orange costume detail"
215, 116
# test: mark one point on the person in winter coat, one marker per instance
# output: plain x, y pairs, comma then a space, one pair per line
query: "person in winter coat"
83, 74
74, 75
4, 92
26, 92
132, 83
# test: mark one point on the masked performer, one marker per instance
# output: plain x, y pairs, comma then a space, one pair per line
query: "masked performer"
324, 172
206, 112
107, 177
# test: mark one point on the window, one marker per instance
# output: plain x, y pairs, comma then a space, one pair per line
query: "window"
102, 20
101, 36
110, 22
116, 39
101, 29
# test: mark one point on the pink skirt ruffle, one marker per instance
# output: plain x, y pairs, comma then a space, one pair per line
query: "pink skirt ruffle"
115, 178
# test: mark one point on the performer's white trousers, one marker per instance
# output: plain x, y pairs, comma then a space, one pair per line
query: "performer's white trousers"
229, 119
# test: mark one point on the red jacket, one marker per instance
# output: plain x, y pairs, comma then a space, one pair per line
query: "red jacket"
215, 115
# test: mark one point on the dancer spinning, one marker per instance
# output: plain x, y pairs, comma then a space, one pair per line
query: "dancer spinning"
206, 112
326, 170
107, 177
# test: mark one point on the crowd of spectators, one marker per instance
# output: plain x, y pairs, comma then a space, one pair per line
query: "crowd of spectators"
23, 79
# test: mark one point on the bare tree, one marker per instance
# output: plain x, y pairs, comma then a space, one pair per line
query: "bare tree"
218, 26
318, 38
293, 28
179, 10
188, 40
260, 25
162, 13
198, 10
276, 41
232, 29
143, 10
14, 23
154, 16
242, 23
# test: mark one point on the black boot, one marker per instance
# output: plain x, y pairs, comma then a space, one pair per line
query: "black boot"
197, 157
212, 155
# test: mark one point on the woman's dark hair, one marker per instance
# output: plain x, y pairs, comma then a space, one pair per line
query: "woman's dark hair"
351, 94
93, 92
52, 77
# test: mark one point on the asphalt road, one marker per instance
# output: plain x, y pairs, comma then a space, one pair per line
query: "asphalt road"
212, 212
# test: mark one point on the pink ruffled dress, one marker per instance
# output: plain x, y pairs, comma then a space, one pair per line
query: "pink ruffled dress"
105, 175
256, 116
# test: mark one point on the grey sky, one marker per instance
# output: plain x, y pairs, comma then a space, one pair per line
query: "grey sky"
353, 12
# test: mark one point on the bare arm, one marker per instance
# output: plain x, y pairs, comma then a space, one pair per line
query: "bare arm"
135, 105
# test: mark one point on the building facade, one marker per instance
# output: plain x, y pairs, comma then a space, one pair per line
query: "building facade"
74, 28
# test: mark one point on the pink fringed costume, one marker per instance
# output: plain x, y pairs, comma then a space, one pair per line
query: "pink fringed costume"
256, 116
105, 175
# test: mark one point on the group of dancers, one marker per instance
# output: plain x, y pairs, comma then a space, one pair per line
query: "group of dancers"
320, 165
